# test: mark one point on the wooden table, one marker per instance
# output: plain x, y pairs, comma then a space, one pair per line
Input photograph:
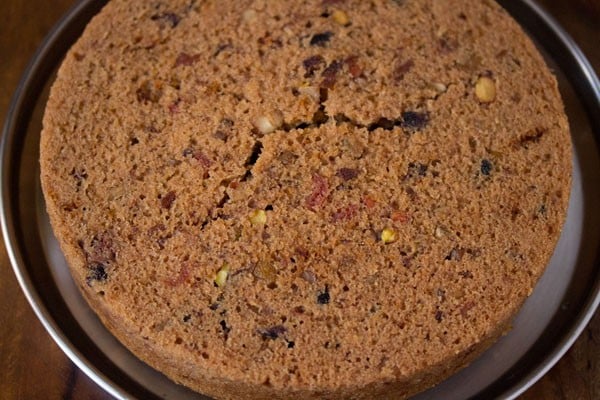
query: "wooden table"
31, 364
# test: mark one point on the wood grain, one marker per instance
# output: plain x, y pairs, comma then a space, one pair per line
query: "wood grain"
31, 364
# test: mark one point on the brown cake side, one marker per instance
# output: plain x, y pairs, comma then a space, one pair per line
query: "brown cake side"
320, 199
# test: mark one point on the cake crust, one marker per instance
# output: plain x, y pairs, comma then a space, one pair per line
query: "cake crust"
320, 199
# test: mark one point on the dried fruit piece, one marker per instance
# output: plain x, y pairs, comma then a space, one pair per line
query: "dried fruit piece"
273, 332
311, 64
167, 200
258, 217
388, 235
401, 69
319, 193
347, 174
400, 216
186, 59
330, 74
486, 167
369, 201
221, 276
414, 120
324, 297
340, 17
353, 66
97, 272
321, 39
485, 89
345, 213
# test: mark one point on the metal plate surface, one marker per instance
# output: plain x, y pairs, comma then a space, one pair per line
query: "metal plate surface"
550, 321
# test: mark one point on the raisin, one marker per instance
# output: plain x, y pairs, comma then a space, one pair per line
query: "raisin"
167, 200
330, 74
439, 316
102, 248
97, 272
414, 120
186, 59
321, 39
486, 167
226, 329
323, 297
311, 64
347, 173
168, 17
401, 69
353, 67
273, 332
320, 116
224, 130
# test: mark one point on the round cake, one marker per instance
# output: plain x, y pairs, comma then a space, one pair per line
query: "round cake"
306, 199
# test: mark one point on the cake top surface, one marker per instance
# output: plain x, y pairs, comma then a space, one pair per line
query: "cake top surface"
309, 194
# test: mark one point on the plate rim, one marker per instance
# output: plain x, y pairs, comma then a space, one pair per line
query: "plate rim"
28, 91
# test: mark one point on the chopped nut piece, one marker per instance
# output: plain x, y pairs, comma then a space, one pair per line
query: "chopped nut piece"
439, 87
268, 124
485, 89
309, 276
258, 217
388, 236
221, 276
440, 232
310, 91
340, 17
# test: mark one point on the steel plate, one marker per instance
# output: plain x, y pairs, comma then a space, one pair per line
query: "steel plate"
561, 305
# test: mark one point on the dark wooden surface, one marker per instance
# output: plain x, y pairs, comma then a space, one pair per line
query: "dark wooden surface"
31, 364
